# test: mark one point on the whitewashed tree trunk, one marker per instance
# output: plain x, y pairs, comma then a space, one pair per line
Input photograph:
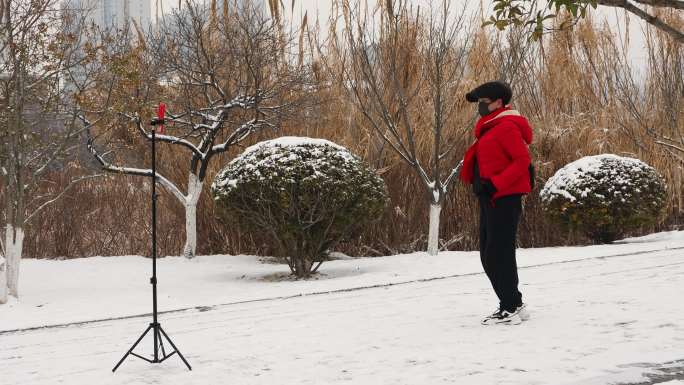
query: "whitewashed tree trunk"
194, 192
14, 243
190, 230
3, 281
433, 233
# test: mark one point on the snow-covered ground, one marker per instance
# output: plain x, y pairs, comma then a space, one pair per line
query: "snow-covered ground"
600, 315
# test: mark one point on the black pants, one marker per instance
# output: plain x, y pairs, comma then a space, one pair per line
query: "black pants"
498, 228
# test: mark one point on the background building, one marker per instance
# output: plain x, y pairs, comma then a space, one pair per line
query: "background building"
114, 13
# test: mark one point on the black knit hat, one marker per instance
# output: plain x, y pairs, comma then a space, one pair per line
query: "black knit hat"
492, 91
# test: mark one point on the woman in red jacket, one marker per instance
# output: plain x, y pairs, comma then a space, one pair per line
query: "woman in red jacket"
499, 168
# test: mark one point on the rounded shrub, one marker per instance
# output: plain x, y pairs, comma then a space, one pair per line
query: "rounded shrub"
305, 195
605, 196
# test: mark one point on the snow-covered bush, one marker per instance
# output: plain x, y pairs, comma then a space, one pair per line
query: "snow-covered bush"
306, 195
605, 196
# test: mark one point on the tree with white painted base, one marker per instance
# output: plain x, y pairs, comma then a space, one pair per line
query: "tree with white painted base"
37, 47
3, 280
404, 74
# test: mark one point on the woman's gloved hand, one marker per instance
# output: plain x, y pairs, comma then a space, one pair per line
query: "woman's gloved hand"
488, 187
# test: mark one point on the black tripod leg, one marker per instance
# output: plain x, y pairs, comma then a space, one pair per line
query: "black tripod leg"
161, 344
175, 348
132, 348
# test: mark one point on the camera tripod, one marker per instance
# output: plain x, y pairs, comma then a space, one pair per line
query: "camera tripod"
158, 333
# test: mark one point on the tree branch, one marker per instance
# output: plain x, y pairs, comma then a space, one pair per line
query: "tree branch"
239, 134
60, 195
167, 138
163, 181
672, 146
676, 34
451, 176
677, 4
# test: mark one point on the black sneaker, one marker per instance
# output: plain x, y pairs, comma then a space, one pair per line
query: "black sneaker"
522, 312
505, 317
490, 318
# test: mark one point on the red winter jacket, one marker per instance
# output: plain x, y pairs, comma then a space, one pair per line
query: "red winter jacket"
501, 152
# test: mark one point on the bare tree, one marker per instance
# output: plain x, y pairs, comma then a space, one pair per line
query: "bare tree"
653, 102
37, 45
665, 87
404, 71
224, 75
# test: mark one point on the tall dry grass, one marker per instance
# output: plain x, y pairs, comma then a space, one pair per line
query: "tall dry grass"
577, 89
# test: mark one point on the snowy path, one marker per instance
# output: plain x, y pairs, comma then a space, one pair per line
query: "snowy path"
595, 321
55, 292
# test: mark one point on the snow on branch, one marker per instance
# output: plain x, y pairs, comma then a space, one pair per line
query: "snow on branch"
240, 134
167, 138
453, 174
109, 167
